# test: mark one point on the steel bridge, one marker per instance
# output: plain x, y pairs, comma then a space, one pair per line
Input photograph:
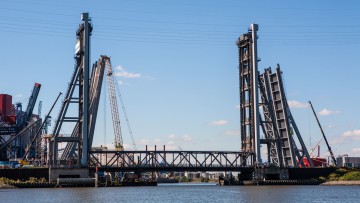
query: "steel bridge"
274, 126
169, 160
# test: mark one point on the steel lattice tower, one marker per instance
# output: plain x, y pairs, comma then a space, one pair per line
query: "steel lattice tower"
249, 99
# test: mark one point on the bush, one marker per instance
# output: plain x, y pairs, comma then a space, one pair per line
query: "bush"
322, 178
352, 175
337, 174
185, 179
30, 180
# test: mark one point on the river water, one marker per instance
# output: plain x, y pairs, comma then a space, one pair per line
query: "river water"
189, 192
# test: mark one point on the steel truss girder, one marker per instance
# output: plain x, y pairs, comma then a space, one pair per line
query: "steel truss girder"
281, 118
268, 125
285, 122
169, 160
247, 85
95, 92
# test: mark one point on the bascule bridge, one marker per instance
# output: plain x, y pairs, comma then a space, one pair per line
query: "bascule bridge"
266, 120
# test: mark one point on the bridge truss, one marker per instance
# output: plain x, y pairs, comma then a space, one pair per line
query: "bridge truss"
169, 160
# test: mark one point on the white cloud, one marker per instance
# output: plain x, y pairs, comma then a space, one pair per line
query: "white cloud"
330, 126
327, 112
157, 140
355, 152
120, 82
237, 106
124, 74
218, 122
187, 138
346, 137
19, 95
297, 104
172, 136
353, 134
171, 145
232, 132
119, 67
144, 141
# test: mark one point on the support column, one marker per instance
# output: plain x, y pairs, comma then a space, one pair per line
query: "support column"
86, 63
255, 104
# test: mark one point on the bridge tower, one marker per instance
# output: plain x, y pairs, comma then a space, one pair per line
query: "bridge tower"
275, 126
80, 80
249, 96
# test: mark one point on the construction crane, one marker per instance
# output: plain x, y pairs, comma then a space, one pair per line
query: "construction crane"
125, 115
112, 84
118, 143
327, 143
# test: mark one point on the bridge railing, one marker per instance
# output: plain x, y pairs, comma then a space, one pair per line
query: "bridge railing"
169, 160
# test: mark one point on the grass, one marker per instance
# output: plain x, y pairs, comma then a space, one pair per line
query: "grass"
351, 175
343, 174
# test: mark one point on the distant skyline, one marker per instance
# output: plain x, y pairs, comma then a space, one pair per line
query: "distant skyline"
177, 64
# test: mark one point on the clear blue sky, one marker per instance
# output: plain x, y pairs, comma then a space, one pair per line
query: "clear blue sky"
179, 63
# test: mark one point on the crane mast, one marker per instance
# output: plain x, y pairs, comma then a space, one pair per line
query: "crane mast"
113, 105
327, 143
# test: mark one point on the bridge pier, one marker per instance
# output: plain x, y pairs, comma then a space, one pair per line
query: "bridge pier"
55, 173
271, 173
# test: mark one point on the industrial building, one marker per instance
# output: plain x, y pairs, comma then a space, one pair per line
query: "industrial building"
20, 131
347, 161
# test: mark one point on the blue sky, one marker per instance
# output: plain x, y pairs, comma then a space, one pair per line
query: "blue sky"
177, 62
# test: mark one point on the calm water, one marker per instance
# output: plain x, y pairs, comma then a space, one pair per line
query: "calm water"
186, 193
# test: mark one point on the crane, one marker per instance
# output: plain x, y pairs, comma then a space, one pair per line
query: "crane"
112, 90
327, 143
126, 116
113, 105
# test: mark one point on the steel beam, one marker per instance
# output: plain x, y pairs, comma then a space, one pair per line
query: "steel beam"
86, 70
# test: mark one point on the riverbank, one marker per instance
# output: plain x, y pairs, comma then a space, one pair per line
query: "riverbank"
6, 186
342, 182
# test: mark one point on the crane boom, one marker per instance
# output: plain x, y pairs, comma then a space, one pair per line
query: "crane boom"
327, 143
126, 117
114, 105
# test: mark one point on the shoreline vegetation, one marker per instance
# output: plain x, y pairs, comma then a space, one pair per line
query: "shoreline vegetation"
6, 183
342, 176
